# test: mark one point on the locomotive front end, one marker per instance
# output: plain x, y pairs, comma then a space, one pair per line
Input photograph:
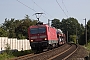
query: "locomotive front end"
38, 37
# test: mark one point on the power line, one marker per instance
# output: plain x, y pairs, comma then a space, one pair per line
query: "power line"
61, 8
40, 7
65, 6
26, 5
29, 7
45, 17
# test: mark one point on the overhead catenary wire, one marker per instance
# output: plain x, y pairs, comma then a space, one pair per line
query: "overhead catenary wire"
25, 5
61, 8
65, 6
29, 7
41, 8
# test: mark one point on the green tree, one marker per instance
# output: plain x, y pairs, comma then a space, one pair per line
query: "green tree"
56, 23
9, 26
82, 40
3, 33
73, 38
88, 31
18, 28
22, 29
82, 35
70, 24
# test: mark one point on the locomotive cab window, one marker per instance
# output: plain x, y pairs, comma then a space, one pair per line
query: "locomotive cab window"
42, 30
34, 31
37, 30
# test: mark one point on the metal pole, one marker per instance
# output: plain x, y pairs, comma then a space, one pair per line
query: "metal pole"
48, 22
67, 36
85, 32
76, 36
67, 32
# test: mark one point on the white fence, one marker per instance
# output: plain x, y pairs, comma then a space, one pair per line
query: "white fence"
22, 44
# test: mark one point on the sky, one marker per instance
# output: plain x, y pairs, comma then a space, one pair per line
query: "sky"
59, 9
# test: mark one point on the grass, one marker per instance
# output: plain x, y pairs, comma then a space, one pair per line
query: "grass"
88, 49
88, 46
8, 56
5, 56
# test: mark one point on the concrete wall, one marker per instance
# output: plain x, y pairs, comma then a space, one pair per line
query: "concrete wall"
14, 43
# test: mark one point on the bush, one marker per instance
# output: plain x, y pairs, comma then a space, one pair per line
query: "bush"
8, 51
5, 56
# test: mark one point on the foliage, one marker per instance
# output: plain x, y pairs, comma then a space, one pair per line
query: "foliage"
88, 47
70, 24
82, 39
17, 28
56, 23
88, 31
74, 28
5, 56
7, 49
73, 38
3, 33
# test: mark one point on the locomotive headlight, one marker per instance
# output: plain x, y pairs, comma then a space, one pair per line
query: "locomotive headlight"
31, 40
45, 39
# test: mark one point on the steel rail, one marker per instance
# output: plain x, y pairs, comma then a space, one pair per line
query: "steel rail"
71, 53
45, 55
66, 54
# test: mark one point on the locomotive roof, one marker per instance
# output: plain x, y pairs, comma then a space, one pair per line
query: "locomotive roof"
41, 26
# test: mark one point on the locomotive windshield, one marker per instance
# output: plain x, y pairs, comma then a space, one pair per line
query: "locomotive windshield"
37, 30
34, 31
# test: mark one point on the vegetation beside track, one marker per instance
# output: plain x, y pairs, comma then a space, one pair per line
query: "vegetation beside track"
7, 56
88, 47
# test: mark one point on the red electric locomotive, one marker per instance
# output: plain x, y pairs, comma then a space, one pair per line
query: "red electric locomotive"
42, 36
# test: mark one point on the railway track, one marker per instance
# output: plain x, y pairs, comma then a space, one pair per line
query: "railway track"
62, 52
66, 54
